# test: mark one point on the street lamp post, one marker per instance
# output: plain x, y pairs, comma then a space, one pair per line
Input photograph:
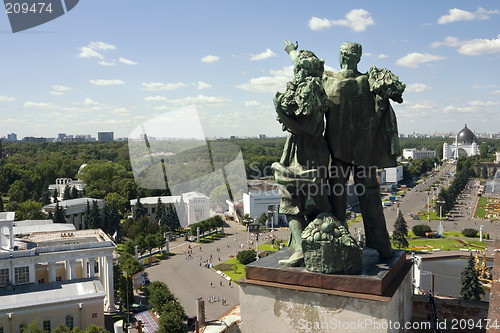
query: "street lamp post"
428, 205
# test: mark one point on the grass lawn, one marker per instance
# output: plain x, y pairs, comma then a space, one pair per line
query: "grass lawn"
443, 244
480, 212
236, 271
211, 238
268, 247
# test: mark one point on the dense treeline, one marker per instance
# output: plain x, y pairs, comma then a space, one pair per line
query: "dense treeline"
447, 196
26, 169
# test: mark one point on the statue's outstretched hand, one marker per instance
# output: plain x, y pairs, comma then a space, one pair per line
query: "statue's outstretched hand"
289, 46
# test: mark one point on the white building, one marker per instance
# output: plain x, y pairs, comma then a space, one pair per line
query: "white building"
195, 205
74, 210
394, 175
258, 202
54, 273
62, 183
415, 154
465, 145
497, 159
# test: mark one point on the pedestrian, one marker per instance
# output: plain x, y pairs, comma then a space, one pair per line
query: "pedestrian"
211, 285
220, 283
230, 283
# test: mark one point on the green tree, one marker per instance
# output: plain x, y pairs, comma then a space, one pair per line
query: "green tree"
54, 196
151, 242
95, 216
159, 294
1, 203
67, 193
28, 210
400, 231
140, 242
45, 198
18, 191
471, 287
74, 193
140, 211
129, 264
87, 217
172, 318
246, 256
160, 211
59, 214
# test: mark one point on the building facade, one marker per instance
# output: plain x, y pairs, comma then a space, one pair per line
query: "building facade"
191, 207
74, 210
415, 154
465, 145
58, 277
62, 184
255, 203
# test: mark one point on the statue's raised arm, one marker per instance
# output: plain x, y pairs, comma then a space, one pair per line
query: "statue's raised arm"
291, 49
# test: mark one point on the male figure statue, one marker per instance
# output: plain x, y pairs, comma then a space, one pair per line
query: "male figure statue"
361, 132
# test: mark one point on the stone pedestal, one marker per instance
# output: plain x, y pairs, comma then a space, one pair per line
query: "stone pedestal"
275, 298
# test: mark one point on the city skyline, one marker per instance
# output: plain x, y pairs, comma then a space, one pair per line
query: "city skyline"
111, 66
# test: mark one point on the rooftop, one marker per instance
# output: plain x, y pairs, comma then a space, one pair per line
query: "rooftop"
21, 296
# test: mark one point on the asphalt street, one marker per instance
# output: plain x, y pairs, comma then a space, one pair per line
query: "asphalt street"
188, 280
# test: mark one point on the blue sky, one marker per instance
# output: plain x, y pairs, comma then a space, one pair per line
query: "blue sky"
111, 65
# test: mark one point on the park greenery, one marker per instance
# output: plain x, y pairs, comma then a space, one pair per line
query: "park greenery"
471, 287
400, 231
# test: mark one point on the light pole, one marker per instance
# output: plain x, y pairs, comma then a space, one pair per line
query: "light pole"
428, 204
441, 228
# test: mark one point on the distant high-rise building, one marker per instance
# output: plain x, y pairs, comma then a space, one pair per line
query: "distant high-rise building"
262, 136
12, 137
61, 136
105, 136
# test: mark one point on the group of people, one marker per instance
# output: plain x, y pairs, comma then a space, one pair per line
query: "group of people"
339, 123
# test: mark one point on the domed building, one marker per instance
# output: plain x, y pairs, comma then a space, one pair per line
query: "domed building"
465, 145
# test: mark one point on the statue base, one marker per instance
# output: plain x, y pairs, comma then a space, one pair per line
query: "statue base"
292, 299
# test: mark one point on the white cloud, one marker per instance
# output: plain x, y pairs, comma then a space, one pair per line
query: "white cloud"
60, 88
39, 105
356, 20
121, 111
202, 85
471, 47
101, 46
316, 23
210, 59
480, 46
272, 83
126, 61
6, 99
415, 59
495, 92
264, 55
106, 63
157, 86
417, 87
382, 56
198, 100
87, 52
257, 105
155, 98
448, 41
106, 82
455, 15
88, 101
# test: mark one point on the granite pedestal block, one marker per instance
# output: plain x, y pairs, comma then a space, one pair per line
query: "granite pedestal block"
276, 298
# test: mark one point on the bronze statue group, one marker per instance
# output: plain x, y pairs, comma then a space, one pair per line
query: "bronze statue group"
340, 124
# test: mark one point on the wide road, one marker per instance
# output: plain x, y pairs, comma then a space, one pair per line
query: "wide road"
188, 280
415, 201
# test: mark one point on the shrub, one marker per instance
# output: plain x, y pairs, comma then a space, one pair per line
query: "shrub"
421, 229
246, 256
469, 232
